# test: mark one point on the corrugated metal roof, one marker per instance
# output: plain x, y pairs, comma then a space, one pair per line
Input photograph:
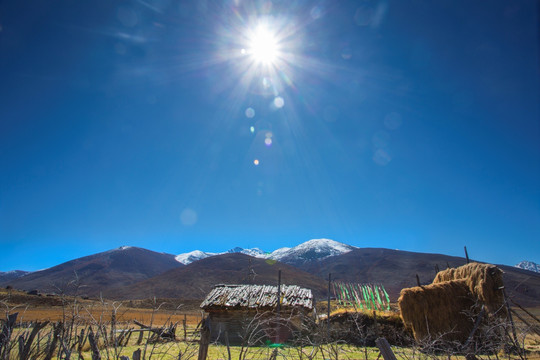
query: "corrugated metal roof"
257, 296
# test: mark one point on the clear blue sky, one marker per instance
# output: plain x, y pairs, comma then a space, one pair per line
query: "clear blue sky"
398, 124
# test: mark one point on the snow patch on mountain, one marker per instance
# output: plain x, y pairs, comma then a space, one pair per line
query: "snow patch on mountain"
192, 256
316, 249
196, 255
255, 252
528, 265
279, 253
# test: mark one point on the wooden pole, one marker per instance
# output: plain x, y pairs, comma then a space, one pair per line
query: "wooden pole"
385, 349
418, 280
509, 314
466, 254
205, 340
228, 346
7, 330
328, 312
93, 345
24, 352
278, 321
52, 345
279, 292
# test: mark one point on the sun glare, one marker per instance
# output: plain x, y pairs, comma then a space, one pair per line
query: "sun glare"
263, 46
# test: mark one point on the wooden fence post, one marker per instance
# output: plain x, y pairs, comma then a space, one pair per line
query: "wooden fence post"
26, 346
385, 349
328, 312
93, 345
205, 340
52, 345
5, 335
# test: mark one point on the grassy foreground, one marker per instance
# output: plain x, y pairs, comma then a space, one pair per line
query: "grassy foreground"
175, 351
109, 319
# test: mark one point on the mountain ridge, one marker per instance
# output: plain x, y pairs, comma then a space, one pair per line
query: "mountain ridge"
131, 272
306, 251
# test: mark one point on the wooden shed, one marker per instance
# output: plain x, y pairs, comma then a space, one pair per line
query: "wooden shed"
251, 314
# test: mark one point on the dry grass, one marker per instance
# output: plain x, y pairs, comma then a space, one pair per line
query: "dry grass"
157, 317
100, 312
59, 308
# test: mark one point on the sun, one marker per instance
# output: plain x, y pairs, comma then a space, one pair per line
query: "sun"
263, 46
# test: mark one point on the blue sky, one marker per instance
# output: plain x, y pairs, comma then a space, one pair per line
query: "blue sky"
399, 124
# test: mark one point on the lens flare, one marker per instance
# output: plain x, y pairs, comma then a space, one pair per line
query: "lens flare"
250, 112
263, 45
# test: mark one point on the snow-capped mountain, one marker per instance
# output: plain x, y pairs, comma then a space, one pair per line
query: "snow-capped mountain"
12, 275
529, 265
316, 249
255, 252
192, 256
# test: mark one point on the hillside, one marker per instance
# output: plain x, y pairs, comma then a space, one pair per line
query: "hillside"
195, 280
91, 275
135, 273
397, 269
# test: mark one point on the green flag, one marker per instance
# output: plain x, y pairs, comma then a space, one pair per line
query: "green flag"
387, 298
366, 297
376, 288
372, 298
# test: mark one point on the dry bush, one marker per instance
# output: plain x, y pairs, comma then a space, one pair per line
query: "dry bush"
362, 329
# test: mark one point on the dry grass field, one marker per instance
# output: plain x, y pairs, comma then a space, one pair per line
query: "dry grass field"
110, 319
56, 308
103, 314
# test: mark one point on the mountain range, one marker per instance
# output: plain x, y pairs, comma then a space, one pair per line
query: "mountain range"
136, 273
309, 250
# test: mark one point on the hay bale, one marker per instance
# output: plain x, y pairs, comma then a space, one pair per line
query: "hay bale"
484, 282
441, 311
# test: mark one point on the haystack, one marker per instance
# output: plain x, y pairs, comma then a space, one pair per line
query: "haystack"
441, 311
484, 282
